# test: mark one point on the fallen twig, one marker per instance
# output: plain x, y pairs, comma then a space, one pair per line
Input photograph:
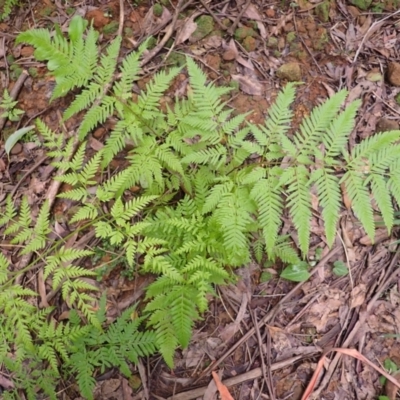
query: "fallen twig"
14, 93
349, 352
170, 30
247, 376
389, 277
268, 316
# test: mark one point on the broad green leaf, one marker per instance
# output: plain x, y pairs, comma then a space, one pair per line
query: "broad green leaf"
15, 137
340, 268
296, 272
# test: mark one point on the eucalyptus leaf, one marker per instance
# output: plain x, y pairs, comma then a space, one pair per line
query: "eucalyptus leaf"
15, 137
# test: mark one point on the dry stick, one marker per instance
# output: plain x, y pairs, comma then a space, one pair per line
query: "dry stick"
232, 29
14, 93
305, 45
27, 173
168, 33
269, 315
121, 18
370, 31
389, 277
250, 375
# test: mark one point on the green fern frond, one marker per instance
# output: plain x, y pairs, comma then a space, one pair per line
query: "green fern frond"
299, 204
233, 219
329, 196
382, 197
79, 194
130, 69
336, 136
313, 127
96, 115
285, 251
9, 213
277, 123
393, 184
362, 151
267, 195
360, 201
148, 101
183, 312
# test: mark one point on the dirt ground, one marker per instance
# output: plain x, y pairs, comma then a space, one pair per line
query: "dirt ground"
264, 335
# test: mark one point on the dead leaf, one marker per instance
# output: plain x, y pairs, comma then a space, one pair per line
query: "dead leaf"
223, 390
246, 63
253, 14
345, 197
186, 31
229, 331
212, 42
249, 85
350, 352
358, 295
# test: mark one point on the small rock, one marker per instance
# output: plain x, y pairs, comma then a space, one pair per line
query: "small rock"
98, 18
17, 149
393, 73
229, 55
242, 33
290, 72
27, 51
99, 132
270, 13
386, 125
205, 25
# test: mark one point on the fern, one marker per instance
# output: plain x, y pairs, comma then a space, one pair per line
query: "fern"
201, 191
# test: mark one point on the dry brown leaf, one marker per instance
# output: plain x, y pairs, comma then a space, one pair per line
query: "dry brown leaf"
345, 196
229, 331
253, 14
223, 390
186, 31
351, 39
350, 352
358, 295
249, 85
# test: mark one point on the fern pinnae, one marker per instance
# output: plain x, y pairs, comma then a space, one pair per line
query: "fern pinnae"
330, 199
280, 114
382, 197
96, 115
314, 126
148, 102
369, 146
267, 195
299, 204
216, 194
336, 137
360, 200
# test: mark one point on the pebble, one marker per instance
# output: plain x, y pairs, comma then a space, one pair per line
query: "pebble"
393, 73
290, 71
17, 149
229, 55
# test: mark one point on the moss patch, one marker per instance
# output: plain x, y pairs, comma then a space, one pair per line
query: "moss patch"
244, 32
205, 26
361, 4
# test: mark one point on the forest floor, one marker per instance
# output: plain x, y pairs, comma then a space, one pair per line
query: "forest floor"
265, 335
